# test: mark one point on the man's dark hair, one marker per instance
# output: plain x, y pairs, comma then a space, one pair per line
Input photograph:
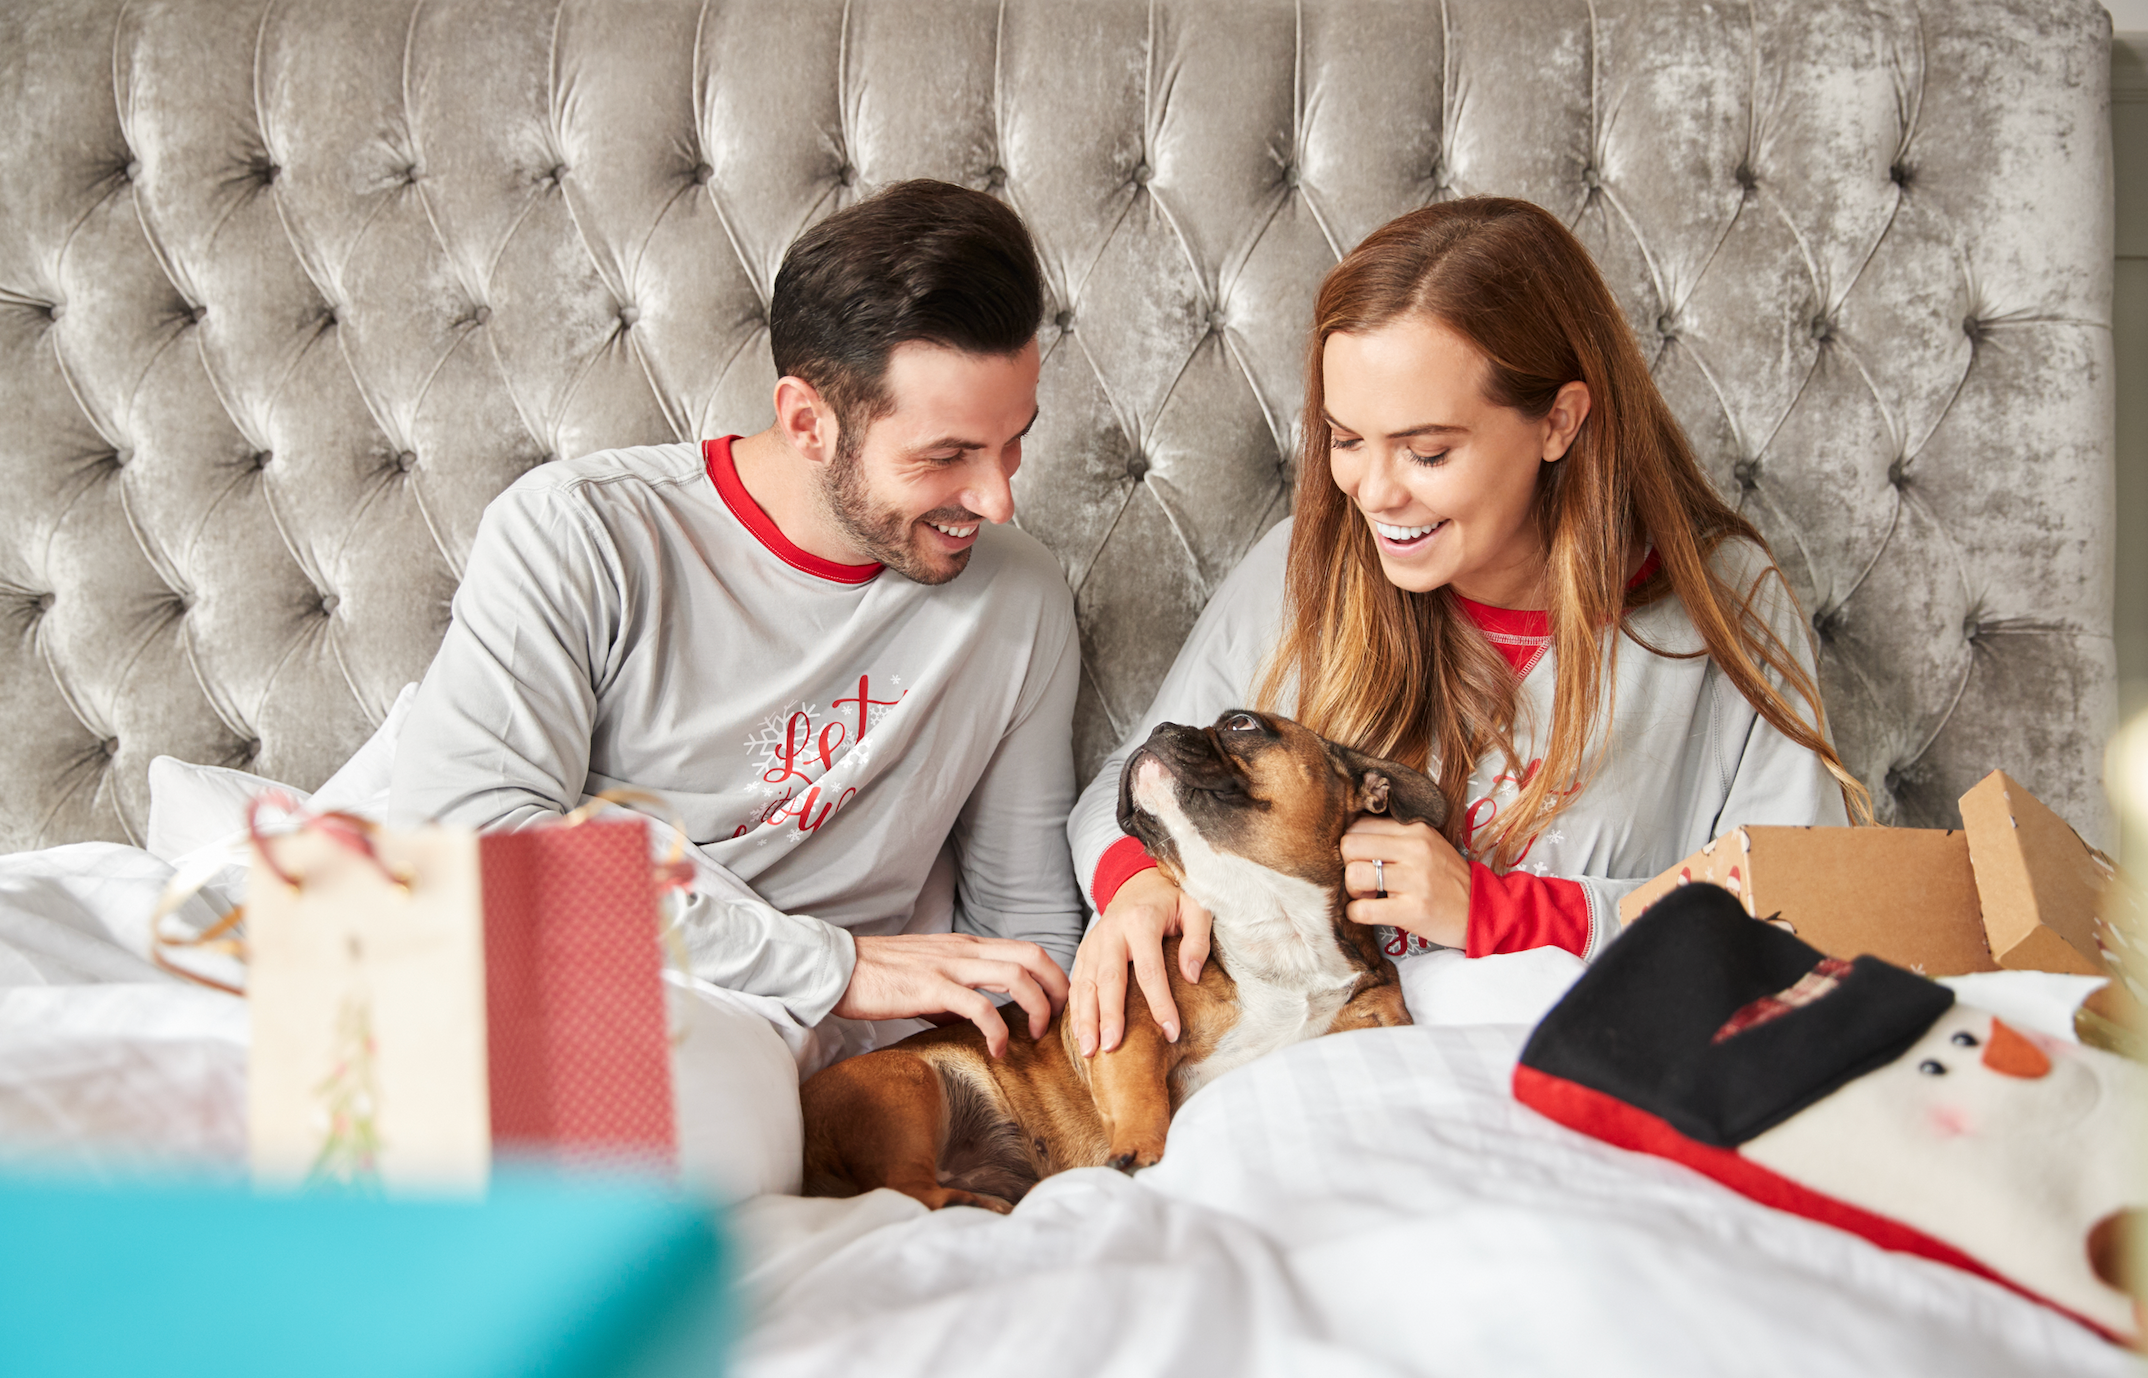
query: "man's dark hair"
920, 260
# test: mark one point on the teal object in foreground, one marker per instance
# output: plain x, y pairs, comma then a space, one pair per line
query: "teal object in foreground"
555, 1276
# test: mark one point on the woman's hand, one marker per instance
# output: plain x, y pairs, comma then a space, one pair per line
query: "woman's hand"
1427, 880
1146, 910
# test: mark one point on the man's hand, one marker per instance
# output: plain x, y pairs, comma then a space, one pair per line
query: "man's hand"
1427, 880
1147, 909
913, 975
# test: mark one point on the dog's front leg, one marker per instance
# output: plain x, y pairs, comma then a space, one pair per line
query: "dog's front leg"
1376, 1003
1131, 1087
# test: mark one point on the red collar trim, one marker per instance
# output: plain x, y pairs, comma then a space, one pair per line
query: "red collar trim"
723, 472
1532, 623
1521, 634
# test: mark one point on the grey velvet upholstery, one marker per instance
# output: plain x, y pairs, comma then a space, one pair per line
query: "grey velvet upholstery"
289, 290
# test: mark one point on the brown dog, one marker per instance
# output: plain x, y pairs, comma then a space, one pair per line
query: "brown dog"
1247, 817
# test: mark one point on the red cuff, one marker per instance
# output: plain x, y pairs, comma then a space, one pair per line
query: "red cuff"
1518, 911
1121, 862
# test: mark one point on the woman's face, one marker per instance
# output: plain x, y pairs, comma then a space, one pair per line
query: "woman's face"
1446, 478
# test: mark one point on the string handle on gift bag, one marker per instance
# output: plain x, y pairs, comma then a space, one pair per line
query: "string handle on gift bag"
223, 936
674, 872
226, 936
348, 829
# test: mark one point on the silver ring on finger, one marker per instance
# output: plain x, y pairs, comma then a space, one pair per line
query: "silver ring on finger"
1379, 878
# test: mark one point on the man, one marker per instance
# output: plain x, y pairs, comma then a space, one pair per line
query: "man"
816, 644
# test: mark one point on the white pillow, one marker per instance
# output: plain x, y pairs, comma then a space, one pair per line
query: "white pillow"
361, 786
191, 806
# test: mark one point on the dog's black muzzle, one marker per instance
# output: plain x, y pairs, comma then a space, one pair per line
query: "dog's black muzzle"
1194, 758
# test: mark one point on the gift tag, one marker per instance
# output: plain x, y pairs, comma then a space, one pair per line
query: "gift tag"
367, 992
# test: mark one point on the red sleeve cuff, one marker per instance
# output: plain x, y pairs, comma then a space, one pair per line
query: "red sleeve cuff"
1121, 862
1518, 911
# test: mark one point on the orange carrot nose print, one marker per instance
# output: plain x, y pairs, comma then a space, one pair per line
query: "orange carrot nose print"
2009, 1054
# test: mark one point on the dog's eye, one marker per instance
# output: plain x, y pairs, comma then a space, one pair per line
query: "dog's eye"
1242, 722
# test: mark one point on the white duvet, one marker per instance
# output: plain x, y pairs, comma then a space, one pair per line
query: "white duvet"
1367, 1203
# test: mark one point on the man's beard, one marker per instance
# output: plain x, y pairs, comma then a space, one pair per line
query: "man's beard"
881, 531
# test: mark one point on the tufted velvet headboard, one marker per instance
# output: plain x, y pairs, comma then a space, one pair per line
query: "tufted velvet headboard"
290, 288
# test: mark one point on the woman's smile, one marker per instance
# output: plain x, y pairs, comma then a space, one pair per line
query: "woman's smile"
1404, 541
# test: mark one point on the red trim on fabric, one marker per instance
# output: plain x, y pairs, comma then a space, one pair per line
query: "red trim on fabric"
723, 472
1601, 1116
1531, 622
1518, 911
1519, 634
1120, 863
1536, 653
1522, 634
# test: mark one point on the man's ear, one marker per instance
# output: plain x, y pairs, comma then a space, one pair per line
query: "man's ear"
805, 420
1378, 786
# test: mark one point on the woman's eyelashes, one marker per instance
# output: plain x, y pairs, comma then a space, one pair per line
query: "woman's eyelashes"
1351, 442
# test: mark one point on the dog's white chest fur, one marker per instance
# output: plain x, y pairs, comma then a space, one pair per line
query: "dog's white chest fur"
1273, 933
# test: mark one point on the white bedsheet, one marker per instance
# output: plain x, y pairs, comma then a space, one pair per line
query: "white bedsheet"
1372, 1203
1368, 1203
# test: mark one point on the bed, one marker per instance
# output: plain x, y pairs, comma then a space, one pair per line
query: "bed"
1367, 1203
289, 290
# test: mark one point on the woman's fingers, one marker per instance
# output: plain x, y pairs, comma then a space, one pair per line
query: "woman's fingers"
1110, 998
1194, 924
1081, 1008
1376, 911
1156, 986
1372, 825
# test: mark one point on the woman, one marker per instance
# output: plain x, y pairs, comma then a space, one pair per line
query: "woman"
1504, 568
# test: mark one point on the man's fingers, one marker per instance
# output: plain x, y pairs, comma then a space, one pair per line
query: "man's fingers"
1194, 925
1156, 985
984, 1014
1015, 981
1028, 956
1044, 971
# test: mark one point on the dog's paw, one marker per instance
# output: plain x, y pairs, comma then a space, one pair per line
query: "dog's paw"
955, 1196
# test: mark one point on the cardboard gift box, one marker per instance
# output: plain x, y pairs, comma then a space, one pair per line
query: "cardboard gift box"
2015, 888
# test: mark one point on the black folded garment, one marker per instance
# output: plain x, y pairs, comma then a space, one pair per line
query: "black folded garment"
1854, 1093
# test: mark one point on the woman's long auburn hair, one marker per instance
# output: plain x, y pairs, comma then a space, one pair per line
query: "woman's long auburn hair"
1407, 675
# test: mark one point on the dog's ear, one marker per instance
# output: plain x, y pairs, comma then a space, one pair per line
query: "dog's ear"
1378, 786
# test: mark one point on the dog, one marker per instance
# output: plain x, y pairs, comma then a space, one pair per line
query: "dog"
1247, 817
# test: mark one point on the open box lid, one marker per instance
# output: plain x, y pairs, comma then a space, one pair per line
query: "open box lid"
2039, 884
1905, 895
